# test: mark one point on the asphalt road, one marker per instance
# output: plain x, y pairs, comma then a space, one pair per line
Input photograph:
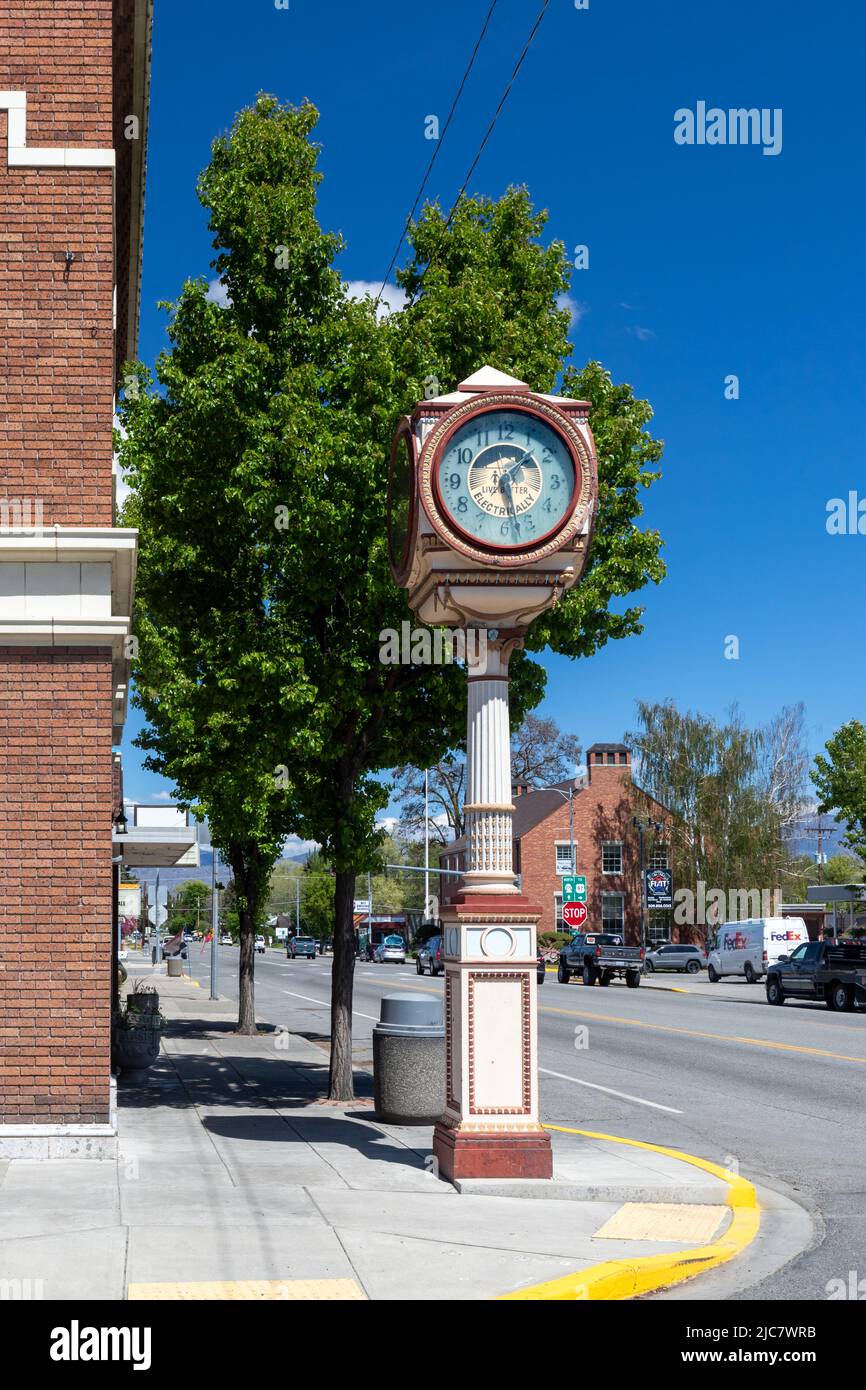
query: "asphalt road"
713, 1070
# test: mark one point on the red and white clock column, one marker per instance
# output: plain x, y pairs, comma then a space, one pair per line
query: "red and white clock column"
491, 1127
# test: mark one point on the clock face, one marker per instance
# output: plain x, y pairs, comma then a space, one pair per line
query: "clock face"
506, 479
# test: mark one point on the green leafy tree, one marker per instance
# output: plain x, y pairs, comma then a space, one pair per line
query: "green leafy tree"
260, 470
189, 904
840, 780
732, 791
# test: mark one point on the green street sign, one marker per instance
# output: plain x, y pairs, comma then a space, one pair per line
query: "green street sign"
574, 888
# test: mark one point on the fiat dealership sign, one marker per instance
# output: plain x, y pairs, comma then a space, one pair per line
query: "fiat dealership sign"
659, 889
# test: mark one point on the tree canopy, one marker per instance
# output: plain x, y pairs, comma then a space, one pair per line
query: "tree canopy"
258, 457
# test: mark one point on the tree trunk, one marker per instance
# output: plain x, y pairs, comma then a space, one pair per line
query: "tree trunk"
341, 1082
246, 888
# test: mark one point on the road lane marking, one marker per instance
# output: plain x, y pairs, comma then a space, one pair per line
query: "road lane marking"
712, 1037
622, 1095
251, 1290
326, 1004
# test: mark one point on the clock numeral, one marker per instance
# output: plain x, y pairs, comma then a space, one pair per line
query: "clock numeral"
555, 481
548, 505
463, 504
505, 528
529, 523
464, 455
454, 481
483, 438
506, 431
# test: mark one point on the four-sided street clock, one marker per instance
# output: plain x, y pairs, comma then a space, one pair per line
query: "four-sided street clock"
491, 478
491, 499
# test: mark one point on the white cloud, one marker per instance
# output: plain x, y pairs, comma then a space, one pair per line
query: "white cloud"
217, 293
643, 335
392, 298
575, 307
294, 845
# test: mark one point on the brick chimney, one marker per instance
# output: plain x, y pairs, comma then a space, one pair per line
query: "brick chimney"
519, 789
605, 760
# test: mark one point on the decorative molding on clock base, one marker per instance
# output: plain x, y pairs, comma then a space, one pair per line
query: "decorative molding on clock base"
492, 1154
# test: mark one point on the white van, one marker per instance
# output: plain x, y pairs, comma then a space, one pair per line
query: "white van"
748, 948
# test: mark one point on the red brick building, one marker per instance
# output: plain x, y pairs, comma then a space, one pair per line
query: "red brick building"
73, 125
606, 846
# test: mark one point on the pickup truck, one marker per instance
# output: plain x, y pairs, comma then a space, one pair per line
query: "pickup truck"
599, 956
832, 971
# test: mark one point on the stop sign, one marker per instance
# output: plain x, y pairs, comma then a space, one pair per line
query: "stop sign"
574, 914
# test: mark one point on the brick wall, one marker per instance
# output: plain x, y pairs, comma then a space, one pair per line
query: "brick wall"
56, 332
56, 399
602, 811
55, 885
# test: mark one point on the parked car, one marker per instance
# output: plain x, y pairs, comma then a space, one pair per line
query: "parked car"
429, 957
599, 956
225, 939
301, 946
260, 945
687, 959
391, 951
750, 948
832, 971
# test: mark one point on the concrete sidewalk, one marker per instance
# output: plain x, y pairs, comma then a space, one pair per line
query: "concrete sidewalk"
235, 1179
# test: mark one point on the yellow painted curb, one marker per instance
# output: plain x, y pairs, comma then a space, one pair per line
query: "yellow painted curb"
621, 1279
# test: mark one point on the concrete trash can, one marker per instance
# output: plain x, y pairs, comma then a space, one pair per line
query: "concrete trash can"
409, 1060
175, 965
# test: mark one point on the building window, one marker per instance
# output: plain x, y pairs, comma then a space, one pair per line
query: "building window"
657, 930
660, 857
563, 857
559, 925
613, 912
611, 857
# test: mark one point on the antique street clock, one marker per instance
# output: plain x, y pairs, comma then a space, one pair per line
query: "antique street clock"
492, 487
491, 501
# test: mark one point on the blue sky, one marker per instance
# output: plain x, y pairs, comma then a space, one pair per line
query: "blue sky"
705, 261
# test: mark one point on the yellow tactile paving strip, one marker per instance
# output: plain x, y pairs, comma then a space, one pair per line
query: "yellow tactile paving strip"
662, 1221
252, 1290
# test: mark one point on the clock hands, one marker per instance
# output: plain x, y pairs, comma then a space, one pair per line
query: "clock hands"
505, 487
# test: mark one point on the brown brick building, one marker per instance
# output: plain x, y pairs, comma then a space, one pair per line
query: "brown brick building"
606, 843
73, 125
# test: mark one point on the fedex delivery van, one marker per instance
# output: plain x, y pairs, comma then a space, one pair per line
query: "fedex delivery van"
748, 948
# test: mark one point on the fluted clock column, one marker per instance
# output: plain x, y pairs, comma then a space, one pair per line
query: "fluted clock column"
490, 1128
488, 808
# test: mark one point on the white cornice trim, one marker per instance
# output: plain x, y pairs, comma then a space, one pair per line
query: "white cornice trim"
84, 544
63, 632
57, 157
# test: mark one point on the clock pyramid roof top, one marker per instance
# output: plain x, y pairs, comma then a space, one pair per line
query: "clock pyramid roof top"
489, 379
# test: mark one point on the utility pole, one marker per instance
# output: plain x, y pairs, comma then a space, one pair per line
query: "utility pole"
427, 846
298, 905
820, 830
214, 925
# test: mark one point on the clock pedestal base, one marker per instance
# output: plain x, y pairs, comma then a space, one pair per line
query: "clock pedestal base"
490, 1128
462, 1153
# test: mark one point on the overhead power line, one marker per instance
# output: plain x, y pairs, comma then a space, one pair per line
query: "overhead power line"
437, 147
487, 134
